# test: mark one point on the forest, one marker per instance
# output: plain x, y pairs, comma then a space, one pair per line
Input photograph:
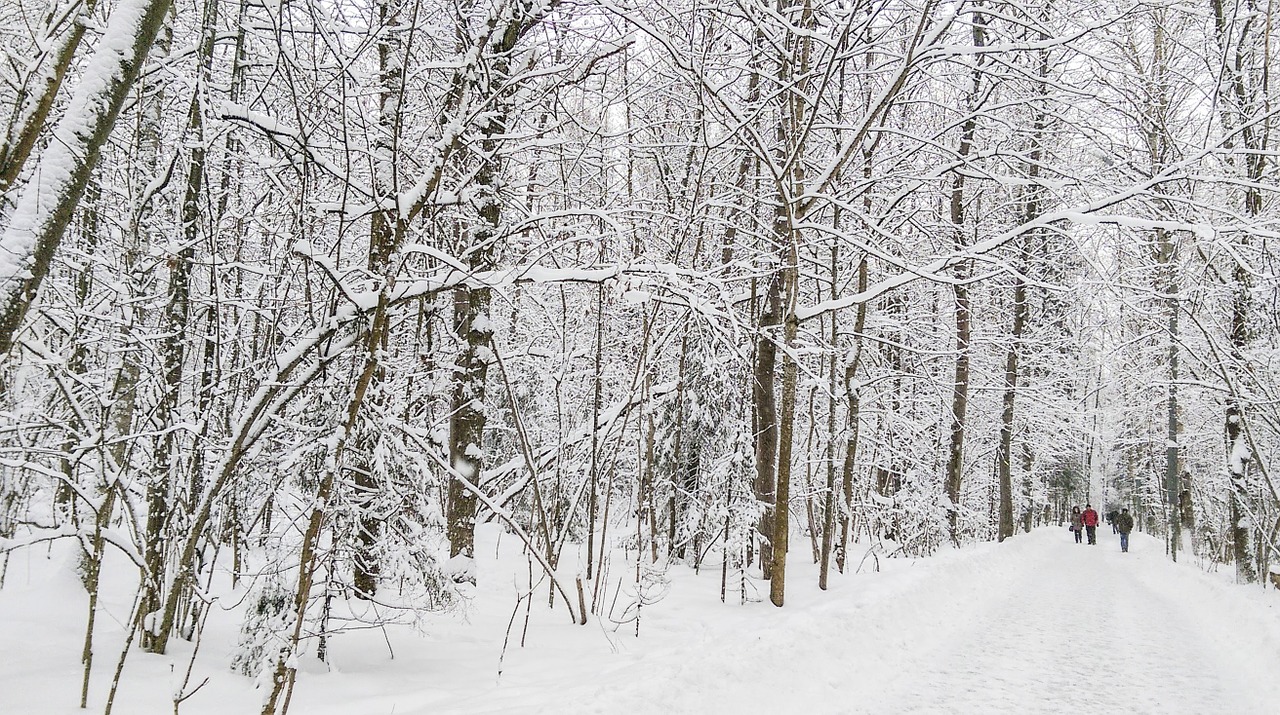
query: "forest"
296, 295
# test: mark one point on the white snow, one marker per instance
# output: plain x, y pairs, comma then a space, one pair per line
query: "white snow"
1240, 455
1038, 624
636, 297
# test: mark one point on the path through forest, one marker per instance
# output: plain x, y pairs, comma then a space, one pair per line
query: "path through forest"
1090, 627
1037, 625
1034, 625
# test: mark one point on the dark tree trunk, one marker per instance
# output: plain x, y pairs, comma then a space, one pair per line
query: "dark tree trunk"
766, 417
960, 385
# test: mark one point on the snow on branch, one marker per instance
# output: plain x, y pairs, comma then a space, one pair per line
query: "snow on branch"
581, 434
1087, 213
70, 531
46, 204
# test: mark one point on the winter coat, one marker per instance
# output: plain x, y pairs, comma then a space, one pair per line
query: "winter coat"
1090, 517
1124, 523
1076, 521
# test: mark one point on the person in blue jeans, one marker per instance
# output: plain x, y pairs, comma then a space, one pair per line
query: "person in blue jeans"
1124, 524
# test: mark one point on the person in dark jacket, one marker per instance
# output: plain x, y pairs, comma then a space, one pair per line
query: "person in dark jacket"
1077, 523
1124, 523
1090, 519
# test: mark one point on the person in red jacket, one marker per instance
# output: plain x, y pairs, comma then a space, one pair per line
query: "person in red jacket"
1090, 519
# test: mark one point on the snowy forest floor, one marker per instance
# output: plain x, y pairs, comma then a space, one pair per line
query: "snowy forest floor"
1035, 625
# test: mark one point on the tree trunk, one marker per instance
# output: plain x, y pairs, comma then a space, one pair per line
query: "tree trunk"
960, 385
1031, 211
285, 671
1006, 417
766, 418
852, 423
594, 476
786, 428
1172, 468
47, 203
472, 322
385, 233
959, 406
466, 425
829, 502
173, 349
40, 89
1245, 74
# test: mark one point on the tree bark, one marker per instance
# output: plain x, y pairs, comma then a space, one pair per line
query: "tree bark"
1245, 96
471, 305
173, 348
1006, 416
285, 671
853, 403
786, 428
766, 418
960, 385
829, 493
385, 235
1031, 210
466, 426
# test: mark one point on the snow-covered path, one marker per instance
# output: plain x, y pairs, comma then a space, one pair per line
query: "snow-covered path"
1090, 627
1035, 625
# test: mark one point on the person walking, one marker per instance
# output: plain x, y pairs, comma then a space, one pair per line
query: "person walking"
1124, 522
1077, 523
1090, 519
